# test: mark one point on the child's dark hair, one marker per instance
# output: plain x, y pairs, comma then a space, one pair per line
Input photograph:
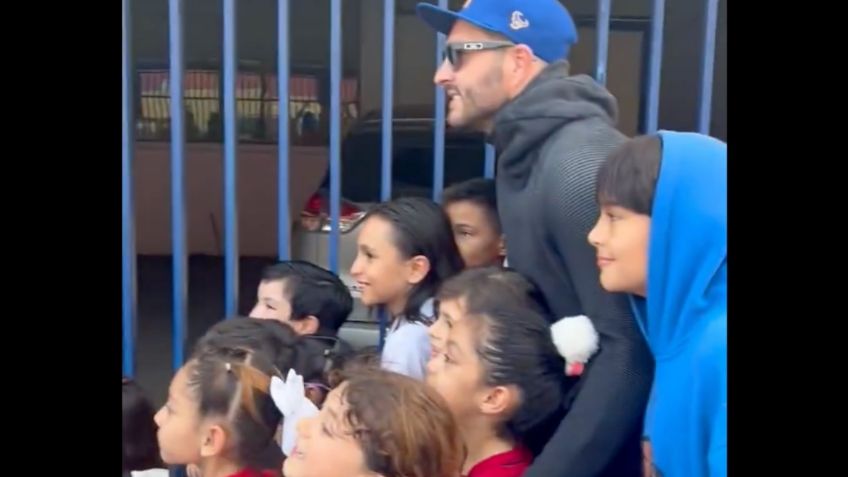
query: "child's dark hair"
628, 177
286, 349
233, 383
479, 191
515, 347
364, 359
420, 227
314, 291
141, 450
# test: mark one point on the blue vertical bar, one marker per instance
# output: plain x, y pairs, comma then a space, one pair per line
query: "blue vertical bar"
388, 105
655, 66
388, 97
128, 284
283, 219
231, 251
602, 40
439, 124
489, 167
335, 129
178, 232
705, 108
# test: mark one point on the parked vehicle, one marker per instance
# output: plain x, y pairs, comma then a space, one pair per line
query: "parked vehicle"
412, 175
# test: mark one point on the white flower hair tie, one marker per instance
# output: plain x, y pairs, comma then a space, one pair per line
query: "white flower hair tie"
576, 340
290, 398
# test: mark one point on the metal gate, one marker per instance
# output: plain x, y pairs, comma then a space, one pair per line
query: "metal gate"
177, 143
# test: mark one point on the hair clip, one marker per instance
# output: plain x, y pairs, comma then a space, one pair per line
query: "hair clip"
576, 340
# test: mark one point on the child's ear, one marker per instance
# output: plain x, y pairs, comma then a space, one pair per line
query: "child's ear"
419, 267
214, 441
502, 246
307, 325
499, 399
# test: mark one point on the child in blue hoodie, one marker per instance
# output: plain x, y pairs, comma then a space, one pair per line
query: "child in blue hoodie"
662, 237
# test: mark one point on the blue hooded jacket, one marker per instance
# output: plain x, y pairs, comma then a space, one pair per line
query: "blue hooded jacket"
684, 317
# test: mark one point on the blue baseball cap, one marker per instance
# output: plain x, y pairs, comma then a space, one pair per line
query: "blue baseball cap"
543, 25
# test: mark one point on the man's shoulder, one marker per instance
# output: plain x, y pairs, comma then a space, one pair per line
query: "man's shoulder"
583, 138
576, 152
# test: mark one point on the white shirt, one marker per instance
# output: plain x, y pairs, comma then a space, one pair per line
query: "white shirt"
407, 347
150, 473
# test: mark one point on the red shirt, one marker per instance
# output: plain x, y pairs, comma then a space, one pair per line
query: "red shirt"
512, 463
254, 473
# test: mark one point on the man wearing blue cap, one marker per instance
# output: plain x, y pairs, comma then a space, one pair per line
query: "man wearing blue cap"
506, 73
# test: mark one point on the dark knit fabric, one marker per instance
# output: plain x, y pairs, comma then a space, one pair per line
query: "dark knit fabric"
551, 141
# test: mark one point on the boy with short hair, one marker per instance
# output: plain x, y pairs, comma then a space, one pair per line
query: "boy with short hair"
310, 299
473, 211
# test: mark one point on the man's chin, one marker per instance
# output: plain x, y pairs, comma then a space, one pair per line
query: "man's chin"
455, 123
459, 122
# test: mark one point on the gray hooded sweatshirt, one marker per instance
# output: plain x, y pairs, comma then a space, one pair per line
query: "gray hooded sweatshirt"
550, 142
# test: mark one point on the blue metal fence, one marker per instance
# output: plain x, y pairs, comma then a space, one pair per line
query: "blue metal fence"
230, 191
128, 289
602, 40
178, 195
335, 129
283, 136
652, 111
439, 123
707, 60
177, 131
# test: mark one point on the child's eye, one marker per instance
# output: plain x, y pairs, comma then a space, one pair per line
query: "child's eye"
325, 430
447, 358
270, 307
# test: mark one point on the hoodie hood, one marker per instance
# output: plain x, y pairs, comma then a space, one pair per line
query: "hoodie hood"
551, 100
687, 255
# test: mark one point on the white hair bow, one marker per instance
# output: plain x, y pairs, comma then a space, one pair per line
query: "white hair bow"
290, 398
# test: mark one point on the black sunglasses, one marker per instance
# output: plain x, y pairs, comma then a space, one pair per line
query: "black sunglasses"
453, 50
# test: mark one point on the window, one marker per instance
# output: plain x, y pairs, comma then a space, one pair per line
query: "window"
257, 107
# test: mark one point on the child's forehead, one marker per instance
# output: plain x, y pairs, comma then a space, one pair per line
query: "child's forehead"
614, 206
179, 384
463, 338
453, 307
336, 403
466, 204
274, 283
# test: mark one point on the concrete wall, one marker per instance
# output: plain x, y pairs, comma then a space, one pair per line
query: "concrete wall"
257, 195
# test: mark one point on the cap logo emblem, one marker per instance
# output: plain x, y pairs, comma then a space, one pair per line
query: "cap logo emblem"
517, 22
